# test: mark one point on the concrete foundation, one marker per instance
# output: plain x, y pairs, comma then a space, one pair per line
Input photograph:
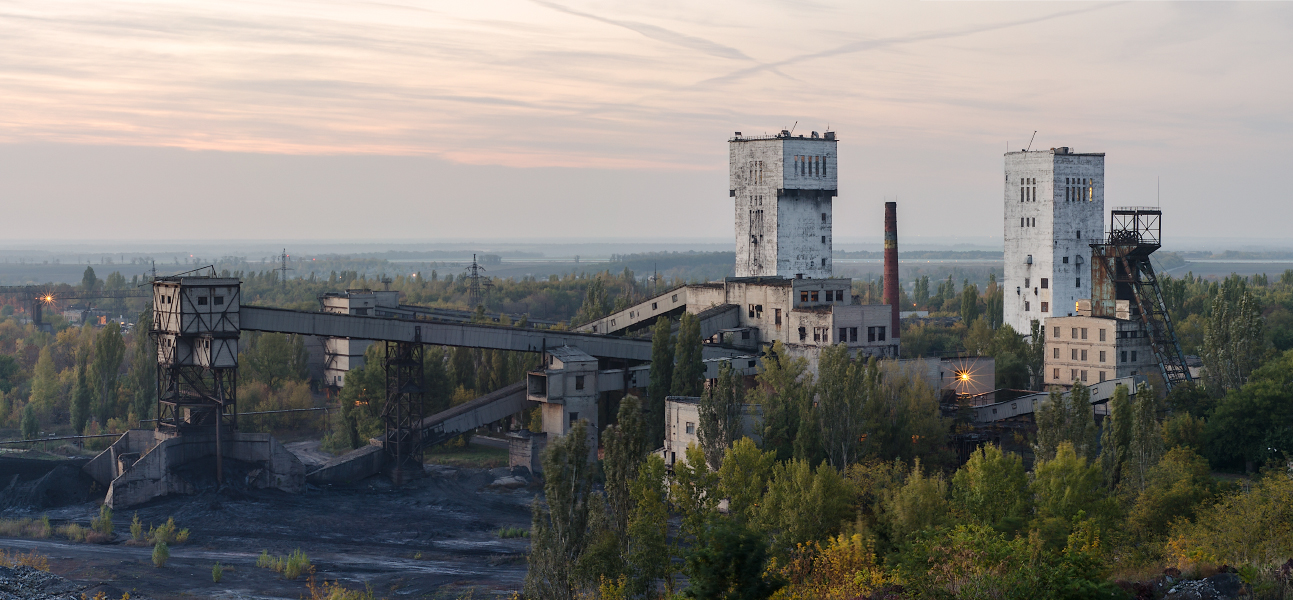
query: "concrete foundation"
350, 467
143, 464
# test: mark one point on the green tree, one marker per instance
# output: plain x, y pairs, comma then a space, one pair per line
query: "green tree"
1066, 488
44, 382
1115, 439
920, 293
729, 562
844, 387
969, 303
743, 478
904, 420
1037, 354
694, 491
649, 556
81, 395
559, 532
1066, 417
784, 389
662, 346
1183, 429
1146, 444
1175, 488
920, 503
689, 372
995, 300
1252, 423
274, 359
719, 413
89, 282
141, 378
1233, 342
624, 445
30, 426
109, 350
992, 488
804, 504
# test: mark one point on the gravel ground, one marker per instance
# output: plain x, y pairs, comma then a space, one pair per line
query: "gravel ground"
432, 537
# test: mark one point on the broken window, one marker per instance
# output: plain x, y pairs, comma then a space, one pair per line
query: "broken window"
1046, 283
579, 382
202, 301
778, 316
1133, 356
1046, 306
844, 334
751, 312
853, 334
1079, 282
1057, 352
803, 334
691, 428
803, 296
814, 296
880, 333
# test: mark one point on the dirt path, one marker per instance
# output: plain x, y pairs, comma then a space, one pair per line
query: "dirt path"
430, 537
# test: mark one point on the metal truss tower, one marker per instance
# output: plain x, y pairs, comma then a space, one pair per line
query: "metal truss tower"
403, 412
1121, 270
477, 283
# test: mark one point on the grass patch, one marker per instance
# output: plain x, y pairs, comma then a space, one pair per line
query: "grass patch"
469, 456
290, 566
513, 532
26, 528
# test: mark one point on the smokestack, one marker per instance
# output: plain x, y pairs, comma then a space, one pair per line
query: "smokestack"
891, 265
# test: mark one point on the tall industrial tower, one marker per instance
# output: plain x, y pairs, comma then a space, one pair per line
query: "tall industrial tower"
784, 187
1054, 203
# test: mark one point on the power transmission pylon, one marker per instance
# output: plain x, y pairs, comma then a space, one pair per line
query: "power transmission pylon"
477, 284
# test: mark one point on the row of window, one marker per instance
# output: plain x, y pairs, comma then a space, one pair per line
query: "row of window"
830, 295
1027, 189
755, 171
847, 334
810, 166
1027, 221
1079, 189
1081, 354
1077, 375
1046, 282
1046, 306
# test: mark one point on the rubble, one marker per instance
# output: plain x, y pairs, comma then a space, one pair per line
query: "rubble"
26, 583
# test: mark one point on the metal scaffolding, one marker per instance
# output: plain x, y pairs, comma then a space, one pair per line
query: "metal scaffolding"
1122, 270
403, 412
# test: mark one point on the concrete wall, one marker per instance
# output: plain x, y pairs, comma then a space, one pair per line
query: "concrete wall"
781, 189
1090, 349
153, 474
1045, 219
350, 467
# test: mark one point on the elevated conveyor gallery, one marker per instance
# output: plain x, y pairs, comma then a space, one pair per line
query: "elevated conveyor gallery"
1026, 405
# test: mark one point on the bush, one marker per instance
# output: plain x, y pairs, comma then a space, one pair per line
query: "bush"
513, 532
161, 554
136, 529
74, 532
26, 528
216, 573
103, 523
296, 564
14, 560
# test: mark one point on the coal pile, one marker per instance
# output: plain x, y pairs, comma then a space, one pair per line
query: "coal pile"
26, 583
37, 484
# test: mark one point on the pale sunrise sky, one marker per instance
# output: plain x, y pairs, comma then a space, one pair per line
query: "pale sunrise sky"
570, 119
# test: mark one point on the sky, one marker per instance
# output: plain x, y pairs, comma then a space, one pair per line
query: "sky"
563, 120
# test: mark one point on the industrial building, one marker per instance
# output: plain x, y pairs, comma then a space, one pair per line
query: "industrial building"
783, 189
1090, 349
1054, 210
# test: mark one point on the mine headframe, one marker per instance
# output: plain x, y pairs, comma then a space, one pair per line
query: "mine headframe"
1121, 271
195, 327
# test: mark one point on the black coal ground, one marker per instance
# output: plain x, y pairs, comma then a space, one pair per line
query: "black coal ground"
434, 536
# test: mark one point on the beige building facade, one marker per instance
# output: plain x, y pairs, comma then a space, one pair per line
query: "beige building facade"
1095, 349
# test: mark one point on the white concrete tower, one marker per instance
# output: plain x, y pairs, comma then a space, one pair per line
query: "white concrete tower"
784, 187
1054, 211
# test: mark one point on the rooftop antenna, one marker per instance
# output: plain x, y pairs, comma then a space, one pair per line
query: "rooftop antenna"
1030, 141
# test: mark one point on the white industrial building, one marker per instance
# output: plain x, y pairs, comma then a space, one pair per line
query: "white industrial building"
1054, 210
783, 187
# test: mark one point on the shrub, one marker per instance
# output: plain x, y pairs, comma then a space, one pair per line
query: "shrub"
265, 561
136, 529
161, 554
103, 523
216, 573
14, 560
296, 564
74, 532
513, 532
